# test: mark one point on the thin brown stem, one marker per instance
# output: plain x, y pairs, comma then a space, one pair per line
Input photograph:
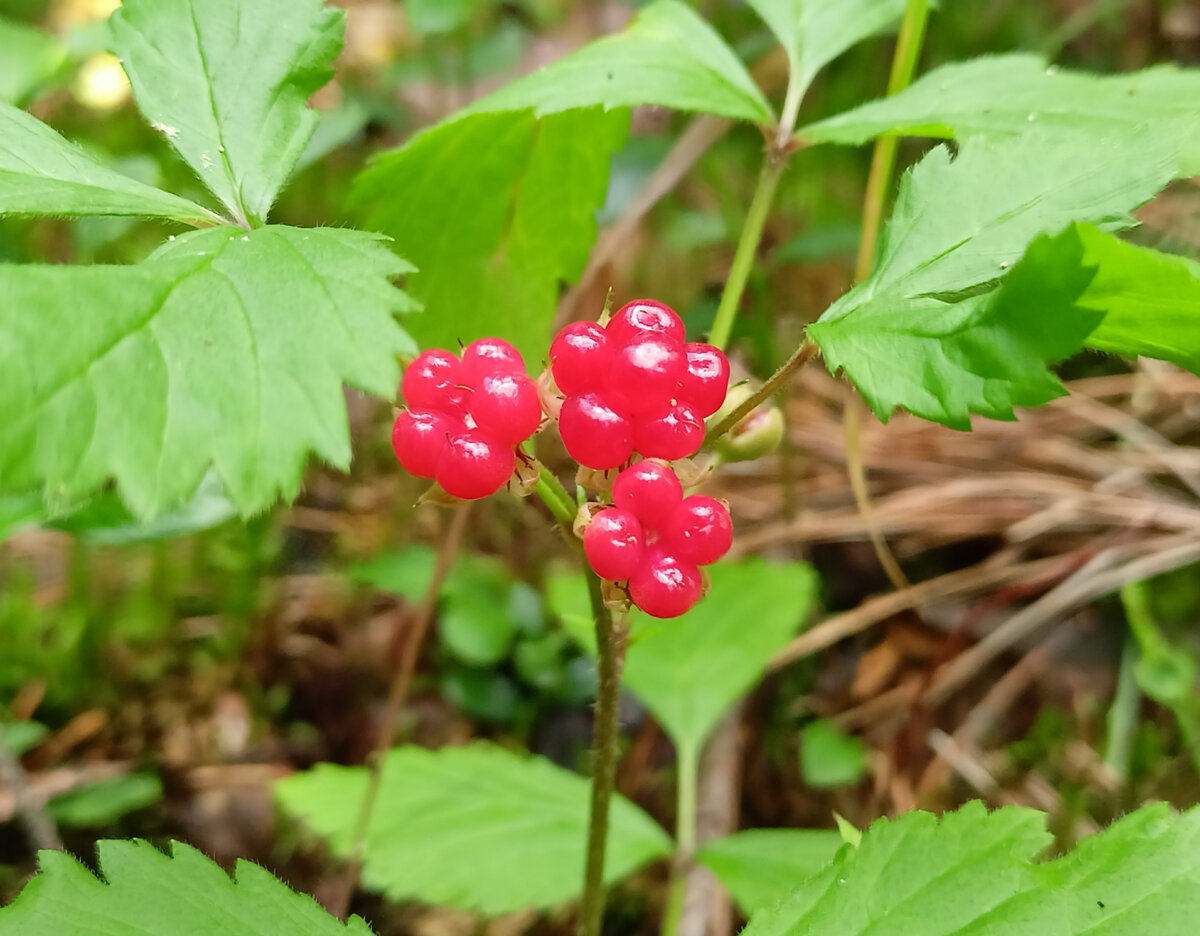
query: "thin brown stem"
798, 359
610, 650
397, 695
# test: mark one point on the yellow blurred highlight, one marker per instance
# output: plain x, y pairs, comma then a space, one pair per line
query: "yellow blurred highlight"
101, 83
68, 13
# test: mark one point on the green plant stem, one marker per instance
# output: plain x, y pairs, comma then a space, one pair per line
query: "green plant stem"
1122, 715
610, 651
555, 496
798, 359
685, 837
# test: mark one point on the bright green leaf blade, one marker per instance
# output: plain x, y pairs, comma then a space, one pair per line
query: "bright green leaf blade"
972, 873
929, 331
41, 173
829, 757
1007, 95
227, 82
147, 893
473, 827
495, 210
223, 348
23, 736
762, 866
689, 670
668, 55
28, 58
106, 801
1150, 300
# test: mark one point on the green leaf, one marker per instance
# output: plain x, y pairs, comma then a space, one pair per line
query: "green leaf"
928, 330
28, 58
495, 210
223, 349
23, 736
473, 827
147, 893
762, 866
667, 55
106, 801
815, 32
829, 757
1010, 95
972, 873
689, 670
1150, 300
41, 173
227, 83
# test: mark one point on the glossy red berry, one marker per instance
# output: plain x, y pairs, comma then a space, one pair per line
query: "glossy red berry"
435, 381
675, 432
650, 491
699, 531
506, 406
474, 464
489, 356
579, 358
665, 586
705, 381
643, 374
614, 543
594, 432
641, 316
418, 437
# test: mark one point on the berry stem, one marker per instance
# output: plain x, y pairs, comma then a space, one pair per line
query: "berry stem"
610, 649
685, 835
555, 496
798, 359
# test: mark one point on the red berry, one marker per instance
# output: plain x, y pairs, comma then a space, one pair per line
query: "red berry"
474, 465
489, 356
506, 406
643, 374
699, 531
675, 432
595, 434
418, 437
665, 586
644, 315
650, 491
435, 381
579, 358
706, 379
613, 543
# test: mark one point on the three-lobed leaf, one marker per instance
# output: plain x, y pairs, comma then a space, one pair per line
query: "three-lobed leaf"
476, 827
494, 210
929, 330
227, 82
972, 873
42, 173
762, 866
144, 891
223, 348
689, 670
1013, 95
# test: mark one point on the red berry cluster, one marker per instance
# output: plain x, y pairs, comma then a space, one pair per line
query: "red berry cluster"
465, 416
635, 386
656, 538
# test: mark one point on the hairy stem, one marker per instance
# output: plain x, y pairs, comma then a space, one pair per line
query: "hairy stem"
798, 359
610, 650
397, 695
555, 496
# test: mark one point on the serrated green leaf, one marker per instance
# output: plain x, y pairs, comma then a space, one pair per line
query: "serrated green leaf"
1150, 300
473, 827
147, 893
227, 83
1008, 95
689, 670
762, 866
41, 173
28, 58
929, 331
972, 873
223, 348
667, 55
815, 32
495, 210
